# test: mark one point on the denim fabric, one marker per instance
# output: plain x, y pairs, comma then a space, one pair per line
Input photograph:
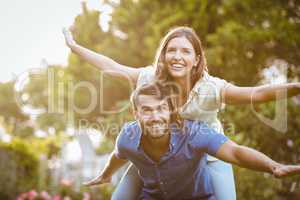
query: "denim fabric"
222, 180
130, 185
221, 174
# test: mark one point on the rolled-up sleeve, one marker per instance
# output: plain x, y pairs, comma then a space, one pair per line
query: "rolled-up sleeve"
216, 140
219, 85
119, 146
146, 76
205, 139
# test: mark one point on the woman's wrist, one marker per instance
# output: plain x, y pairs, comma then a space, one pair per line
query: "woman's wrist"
74, 47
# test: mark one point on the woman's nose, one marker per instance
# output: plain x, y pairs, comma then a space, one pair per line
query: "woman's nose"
177, 55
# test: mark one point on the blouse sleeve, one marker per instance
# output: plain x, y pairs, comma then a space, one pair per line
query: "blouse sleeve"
145, 76
219, 85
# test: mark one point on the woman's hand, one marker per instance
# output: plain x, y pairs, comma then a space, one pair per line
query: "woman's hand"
98, 180
103, 63
69, 38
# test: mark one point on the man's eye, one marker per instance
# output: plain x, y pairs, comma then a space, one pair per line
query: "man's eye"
145, 110
164, 107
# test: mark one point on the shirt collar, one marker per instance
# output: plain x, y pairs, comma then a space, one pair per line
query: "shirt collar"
174, 137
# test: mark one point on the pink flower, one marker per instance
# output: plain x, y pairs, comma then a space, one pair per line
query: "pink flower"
66, 182
24, 195
67, 198
57, 197
32, 194
20, 198
86, 196
45, 195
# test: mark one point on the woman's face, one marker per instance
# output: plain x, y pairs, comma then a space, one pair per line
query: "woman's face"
180, 57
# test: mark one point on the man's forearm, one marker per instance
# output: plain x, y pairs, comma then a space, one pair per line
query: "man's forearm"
114, 163
111, 166
252, 159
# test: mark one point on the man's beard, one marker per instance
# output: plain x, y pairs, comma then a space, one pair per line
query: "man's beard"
161, 128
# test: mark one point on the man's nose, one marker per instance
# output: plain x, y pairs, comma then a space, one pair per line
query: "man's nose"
154, 116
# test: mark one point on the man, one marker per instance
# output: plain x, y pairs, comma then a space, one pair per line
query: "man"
170, 154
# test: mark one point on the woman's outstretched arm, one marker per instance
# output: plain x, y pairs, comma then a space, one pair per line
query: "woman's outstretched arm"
102, 62
245, 95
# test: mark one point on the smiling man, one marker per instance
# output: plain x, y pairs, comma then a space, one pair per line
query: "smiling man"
169, 154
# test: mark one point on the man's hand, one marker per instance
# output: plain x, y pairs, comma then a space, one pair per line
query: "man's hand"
286, 170
250, 158
68, 38
113, 164
98, 180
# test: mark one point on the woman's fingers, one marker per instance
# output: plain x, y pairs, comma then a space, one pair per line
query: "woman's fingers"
68, 37
72, 28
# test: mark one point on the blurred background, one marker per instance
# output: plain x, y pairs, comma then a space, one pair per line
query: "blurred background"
52, 139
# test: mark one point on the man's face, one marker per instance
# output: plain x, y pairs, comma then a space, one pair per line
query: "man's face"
154, 116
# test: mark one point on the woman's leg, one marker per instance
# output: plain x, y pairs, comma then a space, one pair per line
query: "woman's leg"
222, 180
129, 187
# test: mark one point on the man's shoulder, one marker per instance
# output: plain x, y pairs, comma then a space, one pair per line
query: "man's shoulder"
205, 138
197, 127
130, 126
128, 131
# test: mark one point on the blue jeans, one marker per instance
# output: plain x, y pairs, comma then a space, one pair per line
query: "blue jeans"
221, 173
222, 180
130, 185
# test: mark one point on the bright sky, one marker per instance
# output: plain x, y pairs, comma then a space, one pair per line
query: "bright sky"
31, 31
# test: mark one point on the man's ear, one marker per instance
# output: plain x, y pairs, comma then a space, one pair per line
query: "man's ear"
133, 111
135, 114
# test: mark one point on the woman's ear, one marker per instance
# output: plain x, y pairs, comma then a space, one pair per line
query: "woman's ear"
198, 57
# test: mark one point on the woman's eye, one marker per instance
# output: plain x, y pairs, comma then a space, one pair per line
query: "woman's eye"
170, 50
186, 51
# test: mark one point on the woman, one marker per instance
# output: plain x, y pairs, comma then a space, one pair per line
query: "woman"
180, 61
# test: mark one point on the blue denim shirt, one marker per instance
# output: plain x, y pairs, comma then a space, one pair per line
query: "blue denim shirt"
180, 173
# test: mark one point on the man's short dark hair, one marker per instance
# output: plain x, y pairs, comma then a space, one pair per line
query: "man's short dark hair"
160, 92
